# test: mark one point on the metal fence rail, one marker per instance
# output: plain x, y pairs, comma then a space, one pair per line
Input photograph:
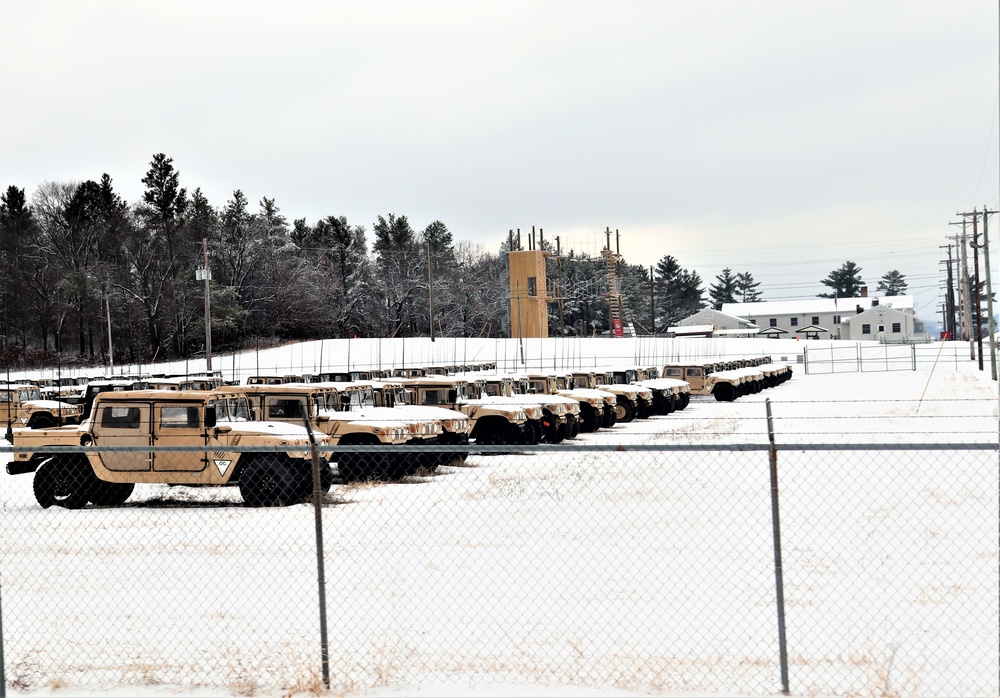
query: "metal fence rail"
650, 567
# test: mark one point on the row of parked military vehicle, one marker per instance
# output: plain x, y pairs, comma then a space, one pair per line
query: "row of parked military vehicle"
274, 420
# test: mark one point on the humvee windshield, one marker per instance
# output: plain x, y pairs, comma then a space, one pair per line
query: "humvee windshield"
537, 386
29, 394
233, 409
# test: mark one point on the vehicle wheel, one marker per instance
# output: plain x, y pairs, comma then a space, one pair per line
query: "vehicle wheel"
572, 428
325, 476
268, 482
64, 481
724, 392
353, 467
111, 494
624, 411
42, 421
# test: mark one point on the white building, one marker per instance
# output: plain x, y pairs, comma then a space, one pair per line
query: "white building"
842, 318
709, 322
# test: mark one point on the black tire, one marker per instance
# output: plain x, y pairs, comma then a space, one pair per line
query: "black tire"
64, 481
351, 467
624, 411
325, 476
269, 481
724, 392
589, 419
111, 494
572, 427
41, 421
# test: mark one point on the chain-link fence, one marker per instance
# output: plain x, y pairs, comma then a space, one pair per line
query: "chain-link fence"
635, 565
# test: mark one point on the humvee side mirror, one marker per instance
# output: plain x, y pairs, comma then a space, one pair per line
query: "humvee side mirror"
210, 416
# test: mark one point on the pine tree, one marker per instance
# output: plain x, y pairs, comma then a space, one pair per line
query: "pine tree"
845, 281
746, 288
892, 283
725, 290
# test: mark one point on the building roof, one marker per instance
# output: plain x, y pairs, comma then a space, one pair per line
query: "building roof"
811, 306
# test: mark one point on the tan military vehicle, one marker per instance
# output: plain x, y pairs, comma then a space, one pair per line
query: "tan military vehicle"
491, 423
669, 394
597, 407
279, 474
22, 405
455, 426
625, 401
586, 415
559, 413
625, 378
291, 404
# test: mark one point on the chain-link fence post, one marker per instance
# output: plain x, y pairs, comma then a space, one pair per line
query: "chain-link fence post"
3, 666
779, 584
320, 566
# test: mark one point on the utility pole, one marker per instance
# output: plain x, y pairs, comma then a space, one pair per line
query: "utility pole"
111, 353
963, 291
990, 324
652, 301
430, 286
205, 274
948, 311
978, 340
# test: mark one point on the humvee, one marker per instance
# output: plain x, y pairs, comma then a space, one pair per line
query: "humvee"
279, 474
491, 424
22, 405
322, 403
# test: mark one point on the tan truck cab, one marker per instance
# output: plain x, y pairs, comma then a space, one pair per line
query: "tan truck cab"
280, 473
22, 405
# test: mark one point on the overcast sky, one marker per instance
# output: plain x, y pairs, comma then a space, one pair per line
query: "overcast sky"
779, 137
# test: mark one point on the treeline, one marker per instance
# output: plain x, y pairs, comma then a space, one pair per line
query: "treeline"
78, 260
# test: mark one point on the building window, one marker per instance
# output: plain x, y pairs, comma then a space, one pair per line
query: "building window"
773, 322
895, 327
815, 319
795, 322
918, 327
866, 328
881, 328
836, 319
532, 286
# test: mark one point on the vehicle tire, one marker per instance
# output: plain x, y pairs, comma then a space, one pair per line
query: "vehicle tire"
624, 411
268, 481
589, 419
724, 392
42, 421
111, 494
325, 476
572, 428
354, 467
64, 481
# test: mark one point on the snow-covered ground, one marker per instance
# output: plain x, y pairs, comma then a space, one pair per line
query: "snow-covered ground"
562, 572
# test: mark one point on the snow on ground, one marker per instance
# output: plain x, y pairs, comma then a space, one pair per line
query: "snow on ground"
560, 573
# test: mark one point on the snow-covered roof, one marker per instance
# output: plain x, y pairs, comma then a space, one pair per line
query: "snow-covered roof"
810, 306
691, 329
